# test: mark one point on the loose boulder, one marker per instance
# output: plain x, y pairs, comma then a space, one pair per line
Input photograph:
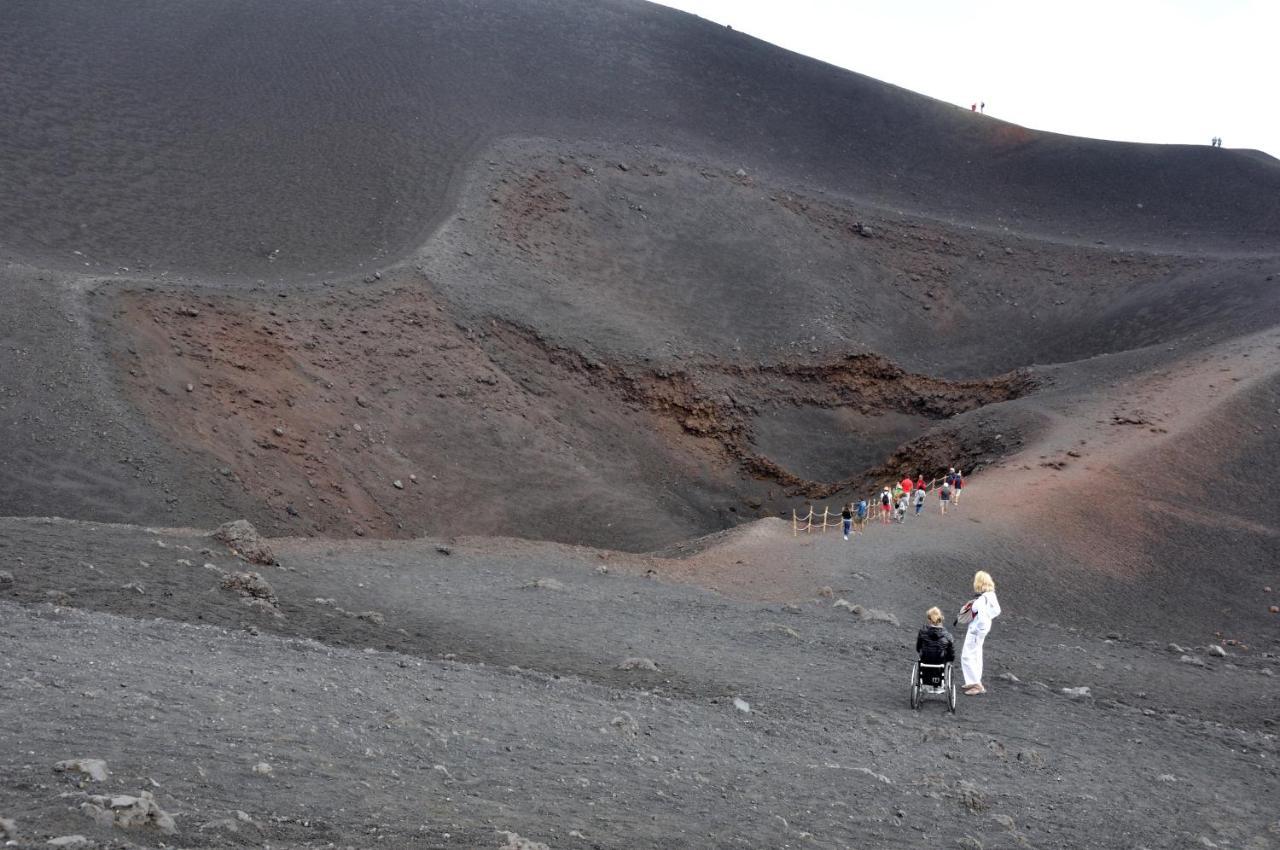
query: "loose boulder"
638, 664
95, 769
244, 540
254, 591
129, 812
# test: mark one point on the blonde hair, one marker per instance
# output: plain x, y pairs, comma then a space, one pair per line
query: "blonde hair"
982, 582
934, 615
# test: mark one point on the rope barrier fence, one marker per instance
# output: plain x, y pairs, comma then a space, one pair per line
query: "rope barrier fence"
813, 521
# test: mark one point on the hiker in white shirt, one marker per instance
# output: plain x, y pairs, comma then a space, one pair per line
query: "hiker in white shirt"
985, 609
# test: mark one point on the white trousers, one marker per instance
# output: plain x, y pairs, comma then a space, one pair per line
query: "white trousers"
971, 655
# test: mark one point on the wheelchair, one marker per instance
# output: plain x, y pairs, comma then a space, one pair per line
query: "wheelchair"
933, 680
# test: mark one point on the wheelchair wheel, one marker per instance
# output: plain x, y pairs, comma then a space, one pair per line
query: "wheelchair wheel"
915, 686
950, 686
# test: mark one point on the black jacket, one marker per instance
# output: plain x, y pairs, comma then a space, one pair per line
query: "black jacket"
935, 645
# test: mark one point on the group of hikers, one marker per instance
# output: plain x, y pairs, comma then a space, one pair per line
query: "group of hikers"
896, 501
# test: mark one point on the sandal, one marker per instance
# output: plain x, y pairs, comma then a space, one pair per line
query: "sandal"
973, 690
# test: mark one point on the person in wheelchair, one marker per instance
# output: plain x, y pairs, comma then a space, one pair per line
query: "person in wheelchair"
932, 673
933, 642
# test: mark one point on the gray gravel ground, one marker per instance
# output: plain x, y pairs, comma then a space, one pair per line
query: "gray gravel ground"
466, 702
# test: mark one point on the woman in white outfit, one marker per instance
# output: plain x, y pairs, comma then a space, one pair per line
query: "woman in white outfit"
985, 609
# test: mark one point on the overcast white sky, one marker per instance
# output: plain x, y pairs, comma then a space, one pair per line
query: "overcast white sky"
1172, 71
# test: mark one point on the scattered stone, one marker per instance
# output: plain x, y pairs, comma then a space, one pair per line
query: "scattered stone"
8, 829
626, 724
514, 841
825, 592
1214, 649
68, 841
1166, 777
444, 550
1031, 757
1274, 609
969, 843
253, 589
742, 705
1004, 820
398, 484
262, 769
1009, 677
278, 430
638, 664
864, 231
1175, 649
1192, 660
741, 172
244, 540
602, 570
843, 603
224, 825
544, 584
95, 769
362, 401
374, 617
128, 812
878, 777
191, 388
133, 585
786, 630
6, 577
972, 797
869, 615
1077, 693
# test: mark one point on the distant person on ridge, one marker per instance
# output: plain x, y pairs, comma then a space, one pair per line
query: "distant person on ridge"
846, 518
982, 108
973, 107
933, 642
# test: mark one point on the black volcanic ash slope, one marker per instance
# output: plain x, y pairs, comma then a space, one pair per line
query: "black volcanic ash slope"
263, 138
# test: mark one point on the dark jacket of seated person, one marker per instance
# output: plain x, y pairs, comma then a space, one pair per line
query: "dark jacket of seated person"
935, 646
